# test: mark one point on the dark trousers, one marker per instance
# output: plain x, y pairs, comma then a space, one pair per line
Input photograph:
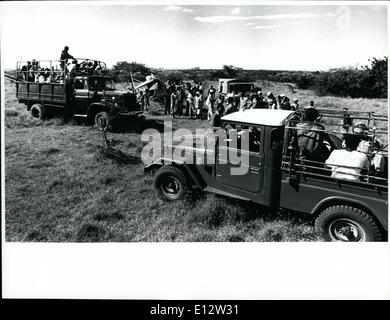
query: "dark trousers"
167, 105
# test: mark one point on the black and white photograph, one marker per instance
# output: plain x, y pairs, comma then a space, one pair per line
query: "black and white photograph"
193, 126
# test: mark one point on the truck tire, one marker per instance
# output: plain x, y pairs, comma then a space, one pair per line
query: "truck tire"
346, 223
171, 183
37, 111
102, 120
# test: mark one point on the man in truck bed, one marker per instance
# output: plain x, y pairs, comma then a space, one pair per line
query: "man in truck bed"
65, 56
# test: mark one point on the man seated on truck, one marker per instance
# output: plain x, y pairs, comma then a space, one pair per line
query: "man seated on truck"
366, 145
311, 138
348, 163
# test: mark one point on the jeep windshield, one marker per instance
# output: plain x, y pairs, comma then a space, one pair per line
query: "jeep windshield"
100, 84
241, 87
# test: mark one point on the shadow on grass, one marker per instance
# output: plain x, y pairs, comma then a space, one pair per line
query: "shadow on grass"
215, 211
108, 217
117, 156
35, 236
137, 126
90, 232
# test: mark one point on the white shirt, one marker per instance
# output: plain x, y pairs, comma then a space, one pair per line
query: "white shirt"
342, 157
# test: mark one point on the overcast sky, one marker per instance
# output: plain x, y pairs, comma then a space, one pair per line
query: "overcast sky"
289, 37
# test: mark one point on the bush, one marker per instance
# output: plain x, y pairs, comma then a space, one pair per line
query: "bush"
366, 82
121, 71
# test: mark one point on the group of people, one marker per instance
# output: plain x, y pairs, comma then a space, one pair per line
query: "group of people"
253, 100
349, 162
183, 99
33, 72
189, 99
143, 98
74, 67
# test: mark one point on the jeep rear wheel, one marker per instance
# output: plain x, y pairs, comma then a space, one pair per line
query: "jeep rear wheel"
37, 111
171, 183
102, 120
345, 223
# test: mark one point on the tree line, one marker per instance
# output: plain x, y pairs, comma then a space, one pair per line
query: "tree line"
369, 81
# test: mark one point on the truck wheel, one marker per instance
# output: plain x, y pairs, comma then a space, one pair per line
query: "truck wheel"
171, 183
37, 111
102, 120
345, 223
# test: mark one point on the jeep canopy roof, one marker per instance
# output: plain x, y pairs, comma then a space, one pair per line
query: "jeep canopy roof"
266, 117
226, 80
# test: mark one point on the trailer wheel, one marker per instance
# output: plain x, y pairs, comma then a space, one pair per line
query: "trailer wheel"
171, 183
346, 223
37, 111
102, 120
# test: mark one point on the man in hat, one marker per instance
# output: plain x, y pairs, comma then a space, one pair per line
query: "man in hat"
365, 144
295, 104
285, 103
271, 101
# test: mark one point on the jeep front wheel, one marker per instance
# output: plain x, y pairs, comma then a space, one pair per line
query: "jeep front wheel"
345, 223
102, 120
171, 183
37, 111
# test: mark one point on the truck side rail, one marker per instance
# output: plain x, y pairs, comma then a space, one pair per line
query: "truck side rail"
293, 164
308, 167
53, 71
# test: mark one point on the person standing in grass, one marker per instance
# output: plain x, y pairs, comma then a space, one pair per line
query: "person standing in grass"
243, 101
295, 105
167, 101
141, 100
180, 100
173, 102
190, 104
146, 99
230, 108
285, 103
198, 104
271, 101
210, 105
216, 119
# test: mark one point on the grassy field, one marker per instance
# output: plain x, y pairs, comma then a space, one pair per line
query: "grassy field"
60, 185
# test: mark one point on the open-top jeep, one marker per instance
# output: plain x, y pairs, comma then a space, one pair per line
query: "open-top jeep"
89, 94
274, 175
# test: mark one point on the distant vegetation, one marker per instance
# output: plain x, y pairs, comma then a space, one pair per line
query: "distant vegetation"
365, 82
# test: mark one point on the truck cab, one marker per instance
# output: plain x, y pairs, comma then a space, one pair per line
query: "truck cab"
95, 93
251, 157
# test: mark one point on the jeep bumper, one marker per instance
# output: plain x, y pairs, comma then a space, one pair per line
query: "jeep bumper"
131, 113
